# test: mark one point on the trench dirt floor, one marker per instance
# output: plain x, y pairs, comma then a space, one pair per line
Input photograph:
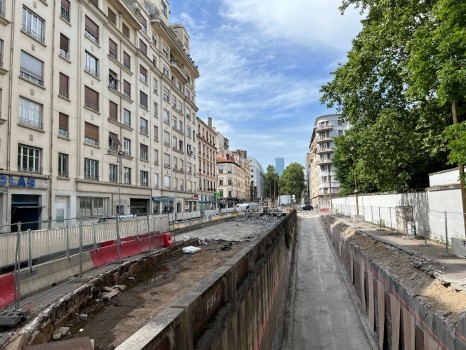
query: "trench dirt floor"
147, 294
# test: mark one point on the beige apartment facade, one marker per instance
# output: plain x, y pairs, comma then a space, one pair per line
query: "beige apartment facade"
207, 165
98, 112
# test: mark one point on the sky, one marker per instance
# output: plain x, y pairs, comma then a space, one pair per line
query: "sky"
261, 66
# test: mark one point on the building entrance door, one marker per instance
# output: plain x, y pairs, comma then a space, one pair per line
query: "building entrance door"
25, 209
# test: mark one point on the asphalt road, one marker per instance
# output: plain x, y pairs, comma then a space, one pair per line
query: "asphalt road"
322, 314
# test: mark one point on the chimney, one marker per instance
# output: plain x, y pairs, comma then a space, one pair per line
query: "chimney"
209, 122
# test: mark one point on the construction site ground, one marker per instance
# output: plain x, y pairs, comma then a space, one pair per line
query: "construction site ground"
146, 294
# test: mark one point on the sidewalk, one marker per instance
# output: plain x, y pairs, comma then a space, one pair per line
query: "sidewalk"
453, 268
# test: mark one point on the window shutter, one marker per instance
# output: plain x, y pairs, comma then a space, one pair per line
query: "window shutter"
113, 110
65, 4
91, 98
31, 65
127, 87
64, 42
114, 139
142, 99
112, 16
91, 131
92, 27
126, 59
62, 121
112, 47
63, 84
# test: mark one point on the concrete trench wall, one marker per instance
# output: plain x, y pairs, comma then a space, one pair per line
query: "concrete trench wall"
240, 306
397, 319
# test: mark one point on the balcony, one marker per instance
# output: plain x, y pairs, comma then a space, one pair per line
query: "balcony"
36, 124
325, 150
33, 79
324, 161
324, 127
324, 139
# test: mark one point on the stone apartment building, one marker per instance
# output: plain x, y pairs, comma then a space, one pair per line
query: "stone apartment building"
233, 177
97, 110
207, 164
319, 165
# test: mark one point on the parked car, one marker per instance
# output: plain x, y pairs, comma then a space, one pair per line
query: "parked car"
307, 207
278, 212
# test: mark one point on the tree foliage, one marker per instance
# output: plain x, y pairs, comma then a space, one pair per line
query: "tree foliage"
292, 180
271, 182
395, 139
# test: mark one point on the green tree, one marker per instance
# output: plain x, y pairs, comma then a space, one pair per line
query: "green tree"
395, 142
271, 182
437, 71
292, 180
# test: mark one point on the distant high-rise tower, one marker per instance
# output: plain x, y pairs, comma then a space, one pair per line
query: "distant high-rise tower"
279, 165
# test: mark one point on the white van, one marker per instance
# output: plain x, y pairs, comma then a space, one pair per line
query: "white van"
247, 207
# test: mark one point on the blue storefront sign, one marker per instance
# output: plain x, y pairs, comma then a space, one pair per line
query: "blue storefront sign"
17, 181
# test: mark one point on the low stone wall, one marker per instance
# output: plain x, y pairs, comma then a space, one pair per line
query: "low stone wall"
240, 306
400, 312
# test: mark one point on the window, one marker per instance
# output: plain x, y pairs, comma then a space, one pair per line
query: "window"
113, 110
64, 86
166, 94
111, 16
65, 10
143, 74
126, 117
188, 113
143, 152
91, 206
143, 126
188, 132
166, 181
164, 8
126, 89
64, 47
91, 64
113, 142
188, 167
165, 50
30, 113
127, 146
174, 122
156, 133
156, 86
142, 47
91, 169
143, 101
165, 71
91, 134
154, 61
127, 176
166, 160
340, 132
166, 138
156, 181
144, 178
143, 22
156, 110
175, 142
91, 30
29, 159
91, 98
63, 165
180, 126
63, 125
166, 116
112, 80
156, 157
112, 49
33, 25
32, 69
113, 173
126, 60
125, 30
1, 53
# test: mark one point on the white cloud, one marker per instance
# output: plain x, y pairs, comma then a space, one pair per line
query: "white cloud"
305, 22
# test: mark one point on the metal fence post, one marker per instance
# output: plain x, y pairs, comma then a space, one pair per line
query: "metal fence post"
81, 248
18, 267
446, 232
68, 241
118, 237
380, 219
29, 249
372, 215
94, 235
